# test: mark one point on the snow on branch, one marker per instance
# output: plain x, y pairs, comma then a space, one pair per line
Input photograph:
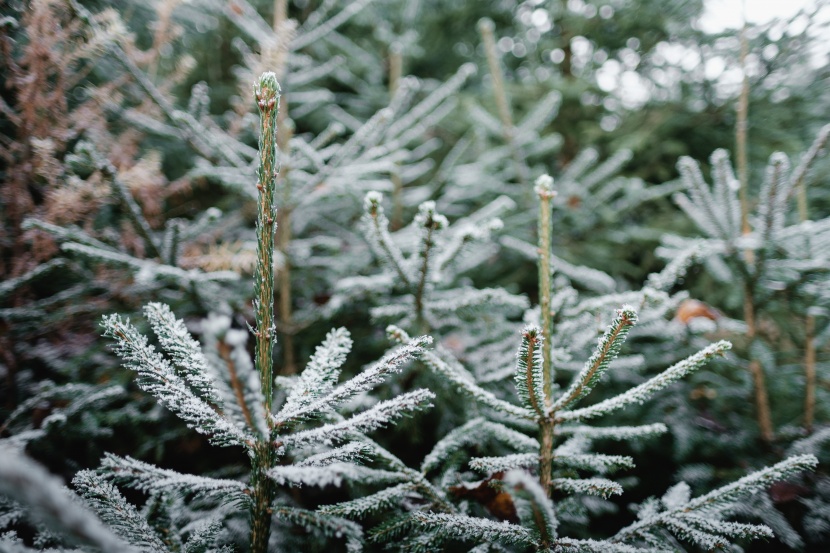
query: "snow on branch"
353, 452
699, 520
365, 506
590, 486
474, 432
325, 524
113, 509
364, 381
467, 528
608, 348
371, 419
700, 205
465, 384
491, 465
640, 393
376, 226
45, 498
596, 462
529, 377
185, 352
331, 475
524, 485
613, 432
151, 479
773, 201
157, 376
321, 373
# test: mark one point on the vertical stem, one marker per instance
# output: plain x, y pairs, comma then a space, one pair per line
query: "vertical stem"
395, 68
547, 426
420, 320
546, 431
285, 300
810, 372
544, 188
801, 198
395, 73
809, 333
486, 28
284, 134
267, 94
280, 14
761, 401
741, 129
762, 409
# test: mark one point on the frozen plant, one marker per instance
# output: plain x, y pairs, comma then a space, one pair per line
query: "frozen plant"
524, 481
326, 448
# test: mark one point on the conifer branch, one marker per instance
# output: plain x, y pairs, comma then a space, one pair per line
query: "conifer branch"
607, 350
541, 505
718, 500
151, 479
314, 394
185, 125
133, 210
47, 500
236, 385
371, 419
428, 222
475, 529
798, 184
267, 95
378, 225
464, 382
157, 376
529, 377
640, 393
113, 509
365, 506
329, 526
472, 433
10, 285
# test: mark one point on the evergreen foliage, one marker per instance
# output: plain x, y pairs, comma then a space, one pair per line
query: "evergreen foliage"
591, 362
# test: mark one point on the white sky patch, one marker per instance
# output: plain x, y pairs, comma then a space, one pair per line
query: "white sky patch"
617, 76
720, 15
728, 14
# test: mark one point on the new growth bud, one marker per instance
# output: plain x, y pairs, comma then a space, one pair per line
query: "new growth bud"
428, 218
267, 91
371, 203
544, 187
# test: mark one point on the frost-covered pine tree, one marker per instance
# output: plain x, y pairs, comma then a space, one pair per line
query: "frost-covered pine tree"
520, 484
777, 255
233, 406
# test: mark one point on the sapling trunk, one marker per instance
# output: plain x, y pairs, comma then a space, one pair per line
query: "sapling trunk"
267, 95
486, 27
809, 333
810, 372
284, 134
395, 73
544, 189
285, 301
431, 223
762, 410
741, 128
